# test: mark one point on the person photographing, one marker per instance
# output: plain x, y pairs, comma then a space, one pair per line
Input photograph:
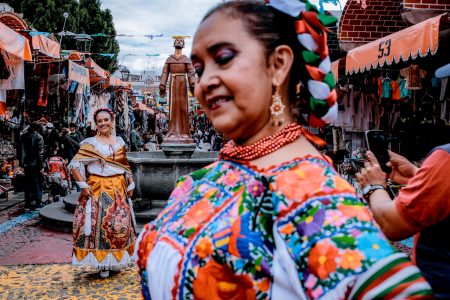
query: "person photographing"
421, 209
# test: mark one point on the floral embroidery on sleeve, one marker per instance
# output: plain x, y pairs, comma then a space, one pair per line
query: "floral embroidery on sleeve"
332, 238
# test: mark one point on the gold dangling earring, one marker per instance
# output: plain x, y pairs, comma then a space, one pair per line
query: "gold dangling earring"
277, 108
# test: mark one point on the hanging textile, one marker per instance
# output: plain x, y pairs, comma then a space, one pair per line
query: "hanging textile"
125, 115
412, 76
120, 101
43, 87
16, 68
395, 90
2, 102
386, 91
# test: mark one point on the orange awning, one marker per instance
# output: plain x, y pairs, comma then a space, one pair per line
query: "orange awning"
95, 70
417, 40
46, 46
14, 43
114, 81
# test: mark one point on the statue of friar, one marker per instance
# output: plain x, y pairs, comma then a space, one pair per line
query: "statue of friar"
179, 67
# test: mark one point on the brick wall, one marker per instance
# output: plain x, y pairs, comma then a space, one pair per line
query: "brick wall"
427, 4
379, 18
334, 49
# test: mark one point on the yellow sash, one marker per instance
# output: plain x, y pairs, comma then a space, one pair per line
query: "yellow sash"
88, 153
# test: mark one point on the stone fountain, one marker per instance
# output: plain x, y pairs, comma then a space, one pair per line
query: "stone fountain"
156, 173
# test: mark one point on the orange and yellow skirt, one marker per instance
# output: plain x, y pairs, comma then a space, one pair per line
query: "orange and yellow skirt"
103, 230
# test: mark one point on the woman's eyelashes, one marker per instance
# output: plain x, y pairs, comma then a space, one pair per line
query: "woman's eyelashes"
223, 56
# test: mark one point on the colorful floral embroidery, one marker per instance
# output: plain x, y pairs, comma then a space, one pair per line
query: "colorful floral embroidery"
351, 260
218, 281
223, 220
322, 259
204, 247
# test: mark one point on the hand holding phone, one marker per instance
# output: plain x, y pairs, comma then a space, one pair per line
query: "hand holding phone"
376, 142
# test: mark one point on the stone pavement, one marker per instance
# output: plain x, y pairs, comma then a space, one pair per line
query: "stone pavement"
35, 264
63, 281
16, 198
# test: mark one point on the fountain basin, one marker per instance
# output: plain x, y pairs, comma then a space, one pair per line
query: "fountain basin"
156, 173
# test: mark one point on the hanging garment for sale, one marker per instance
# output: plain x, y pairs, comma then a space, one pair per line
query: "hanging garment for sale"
2, 102
4, 70
413, 76
386, 90
16, 68
43, 87
120, 101
395, 90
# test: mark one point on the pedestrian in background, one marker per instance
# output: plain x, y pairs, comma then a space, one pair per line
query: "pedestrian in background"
136, 143
33, 162
75, 133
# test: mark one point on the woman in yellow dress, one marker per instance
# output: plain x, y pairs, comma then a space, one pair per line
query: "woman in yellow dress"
104, 225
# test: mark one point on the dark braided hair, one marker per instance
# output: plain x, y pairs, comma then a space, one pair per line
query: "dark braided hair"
273, 28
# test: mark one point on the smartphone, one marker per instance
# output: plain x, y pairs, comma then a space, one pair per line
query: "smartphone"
376, 142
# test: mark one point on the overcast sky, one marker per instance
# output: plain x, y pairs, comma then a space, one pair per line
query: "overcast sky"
153, 17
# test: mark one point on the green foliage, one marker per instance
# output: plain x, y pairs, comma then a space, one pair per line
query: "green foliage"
84, 16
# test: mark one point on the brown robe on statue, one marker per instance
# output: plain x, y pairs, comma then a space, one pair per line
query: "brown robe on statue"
178, 68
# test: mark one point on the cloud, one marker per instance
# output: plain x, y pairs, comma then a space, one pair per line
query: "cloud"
143, 17
168, 17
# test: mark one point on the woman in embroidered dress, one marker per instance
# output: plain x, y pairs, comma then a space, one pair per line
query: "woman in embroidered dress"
104, 226
271, 218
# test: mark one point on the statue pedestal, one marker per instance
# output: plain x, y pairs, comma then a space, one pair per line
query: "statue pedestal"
178, 150
173, 139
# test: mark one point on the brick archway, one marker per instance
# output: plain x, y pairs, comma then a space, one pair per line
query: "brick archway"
13, 21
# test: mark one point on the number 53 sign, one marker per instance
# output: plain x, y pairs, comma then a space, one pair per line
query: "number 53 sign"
421, 40
384, 48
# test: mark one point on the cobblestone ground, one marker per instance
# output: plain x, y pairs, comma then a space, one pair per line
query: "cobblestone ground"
35, 264
63, 281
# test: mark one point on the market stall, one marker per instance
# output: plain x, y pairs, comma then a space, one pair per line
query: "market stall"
390, 84
14, 51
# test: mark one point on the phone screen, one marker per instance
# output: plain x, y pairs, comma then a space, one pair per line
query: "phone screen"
376, 142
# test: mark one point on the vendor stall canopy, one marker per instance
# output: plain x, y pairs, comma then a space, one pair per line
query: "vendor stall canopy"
14, 43
95, 70
46, 46
408, 44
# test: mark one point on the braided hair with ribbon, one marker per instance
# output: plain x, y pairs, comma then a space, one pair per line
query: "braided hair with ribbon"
301, 26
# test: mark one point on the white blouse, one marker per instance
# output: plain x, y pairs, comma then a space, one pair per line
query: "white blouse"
95, 167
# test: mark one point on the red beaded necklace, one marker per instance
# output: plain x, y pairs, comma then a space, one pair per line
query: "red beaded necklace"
264, 146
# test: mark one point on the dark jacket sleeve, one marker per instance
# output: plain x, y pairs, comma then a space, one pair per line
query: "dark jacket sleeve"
39, 148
